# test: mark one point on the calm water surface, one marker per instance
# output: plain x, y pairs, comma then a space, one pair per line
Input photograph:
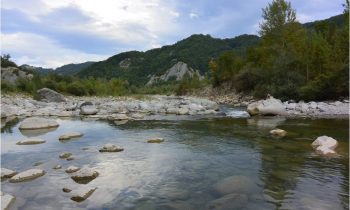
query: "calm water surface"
180, 173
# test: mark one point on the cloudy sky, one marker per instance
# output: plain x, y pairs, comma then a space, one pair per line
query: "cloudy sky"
50, 33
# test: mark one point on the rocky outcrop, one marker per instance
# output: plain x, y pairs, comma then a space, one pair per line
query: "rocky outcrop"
111, 148
37, 123
270, 106
27, 175
13, 74
177, 72
325, 145
48, 95
30, 141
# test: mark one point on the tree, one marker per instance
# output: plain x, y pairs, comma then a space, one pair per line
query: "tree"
276, 14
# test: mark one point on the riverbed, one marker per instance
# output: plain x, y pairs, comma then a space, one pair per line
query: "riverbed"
180, 173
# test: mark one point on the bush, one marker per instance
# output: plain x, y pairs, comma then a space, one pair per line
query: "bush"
76, 89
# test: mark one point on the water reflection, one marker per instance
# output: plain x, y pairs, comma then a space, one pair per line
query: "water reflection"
37, 132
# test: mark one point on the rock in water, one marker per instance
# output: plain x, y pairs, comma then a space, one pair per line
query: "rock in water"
229, 202
65, 155
30, 142
6, 200
66, 190
72, 169
155, 140
85, 176
7, 173
88, 110
57, 167
82, 194
27, 175
70, 135
270, 106
278, 132
325, 145
37, 123
111, 148
48, 95
234, 184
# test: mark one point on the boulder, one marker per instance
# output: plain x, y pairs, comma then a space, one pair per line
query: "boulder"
82, 194
234, 184
88, 110
70, 135
155, 140
6, 200
66, 190
37, 123
111, 148
85, 175
325, 145
7, 173
27, 175
30, 141
57, 167
229, 202
65, 155
120, 122
48, 95
278, 132
118, 117
270, 106
72, 169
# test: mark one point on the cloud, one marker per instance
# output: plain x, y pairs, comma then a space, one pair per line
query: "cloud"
193, 15
41, 51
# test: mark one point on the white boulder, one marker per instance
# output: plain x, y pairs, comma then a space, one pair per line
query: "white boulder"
72, 169
6, 200
37, 123
325, 145
30, 141
270, 106
7, 173
278, 132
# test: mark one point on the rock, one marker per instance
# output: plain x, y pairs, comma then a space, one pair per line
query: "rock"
66, 190
7, 173
278, 132
30, 141
27, 175
229, 202
65, 155
82, 194
38, 163
325, 145
72, 169
6, 200
183, 111
234, 184
86, 103
70, 158
48, 95
85, 176
13, 74
111, 148
88, 110
155, 140
37, 123
270, 106
120, 122
118, 117
57, 167
70, 135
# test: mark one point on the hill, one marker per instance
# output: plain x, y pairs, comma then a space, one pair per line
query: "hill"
68, 69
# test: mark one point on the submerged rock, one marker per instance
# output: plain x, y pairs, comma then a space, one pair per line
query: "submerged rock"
229, 202
30, 141
37, 123
278, 132
85, 176
7, 173
48, 95
325, 145
155, 140
6, 200
111, 148
72, 169
82, 194
70, 135
234, 184
27, 175
65, 155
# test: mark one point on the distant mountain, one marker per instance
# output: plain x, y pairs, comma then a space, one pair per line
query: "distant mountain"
195, 51
68, 69
338, 21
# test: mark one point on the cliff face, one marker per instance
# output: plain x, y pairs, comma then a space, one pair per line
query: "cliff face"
177, 72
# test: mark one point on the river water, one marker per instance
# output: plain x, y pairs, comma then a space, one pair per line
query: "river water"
180, 172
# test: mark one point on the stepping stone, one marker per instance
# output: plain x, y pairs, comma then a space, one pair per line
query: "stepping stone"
37, 123
7, 173
155, 140
30, 142
82, 194
72, 169
85, 175
111, 148
65, 155
6, 200
27, 175
70, 135
66, 190
57, 167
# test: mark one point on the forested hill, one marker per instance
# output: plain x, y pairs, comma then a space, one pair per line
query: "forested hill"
68, 69
338, 21
196, 51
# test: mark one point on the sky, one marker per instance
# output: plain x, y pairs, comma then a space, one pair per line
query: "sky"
51, 33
